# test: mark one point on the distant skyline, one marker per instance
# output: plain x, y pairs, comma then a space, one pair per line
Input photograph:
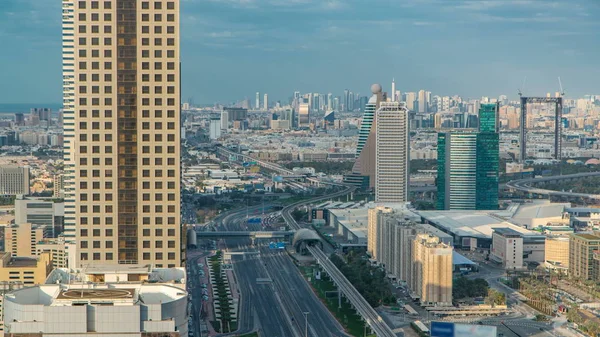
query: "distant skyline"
234, 48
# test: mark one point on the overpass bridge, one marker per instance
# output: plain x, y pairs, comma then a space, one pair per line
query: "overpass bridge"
240, 157
245, 234
283, 172
527, 186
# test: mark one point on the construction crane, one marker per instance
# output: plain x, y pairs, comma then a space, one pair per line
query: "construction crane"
520, 90
562, 92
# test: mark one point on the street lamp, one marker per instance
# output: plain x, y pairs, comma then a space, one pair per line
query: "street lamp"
306, 323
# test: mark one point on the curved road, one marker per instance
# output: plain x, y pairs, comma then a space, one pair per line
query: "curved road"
524, 185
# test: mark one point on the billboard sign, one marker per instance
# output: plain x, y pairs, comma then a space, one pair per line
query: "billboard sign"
442, 329
446, 329
473, 330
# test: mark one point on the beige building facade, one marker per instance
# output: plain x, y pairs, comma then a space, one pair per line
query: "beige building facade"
557, 253
61, 252
122, 150
581, 256
374, 231
14, 180
21, 240
28, 271
431, 276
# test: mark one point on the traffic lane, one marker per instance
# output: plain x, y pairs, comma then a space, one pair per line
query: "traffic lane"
272, 322
321, 317
292, 284
246, 314
195, 290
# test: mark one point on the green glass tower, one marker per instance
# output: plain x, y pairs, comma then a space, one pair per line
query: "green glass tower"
441, 171
488, 118
468, 165
488, 154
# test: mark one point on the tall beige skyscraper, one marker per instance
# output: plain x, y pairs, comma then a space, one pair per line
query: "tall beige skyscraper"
422, 99
122, 131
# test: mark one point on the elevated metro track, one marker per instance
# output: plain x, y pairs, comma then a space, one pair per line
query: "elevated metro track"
361, 305
527, 185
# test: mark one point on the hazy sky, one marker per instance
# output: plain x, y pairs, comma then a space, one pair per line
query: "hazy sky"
233, 48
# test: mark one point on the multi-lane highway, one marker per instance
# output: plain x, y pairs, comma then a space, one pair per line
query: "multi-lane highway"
298, 297
275, 307
261, 305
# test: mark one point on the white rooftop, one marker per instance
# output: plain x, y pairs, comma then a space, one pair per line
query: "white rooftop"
477, 224
541, 210
118, 294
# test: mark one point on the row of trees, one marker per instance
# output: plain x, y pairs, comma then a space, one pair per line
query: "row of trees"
370, 281
463, 287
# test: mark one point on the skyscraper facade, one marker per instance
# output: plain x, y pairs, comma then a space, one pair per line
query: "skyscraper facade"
346, 99
488, 157
257, 102
392, 153
366, 124
68, 72
422, 99
363, 171
411, 98
457, 166
468, 164
304, 115
266, 102
124, 198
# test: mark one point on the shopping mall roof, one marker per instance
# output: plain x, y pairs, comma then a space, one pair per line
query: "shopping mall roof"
476, 224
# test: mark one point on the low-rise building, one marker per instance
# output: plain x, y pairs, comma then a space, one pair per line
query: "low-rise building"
119, 309
514, 250
61, 252
26, 270
14, 180
21, 240
40, 212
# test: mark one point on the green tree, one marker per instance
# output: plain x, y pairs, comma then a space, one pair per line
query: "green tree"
592, 328
573, 314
